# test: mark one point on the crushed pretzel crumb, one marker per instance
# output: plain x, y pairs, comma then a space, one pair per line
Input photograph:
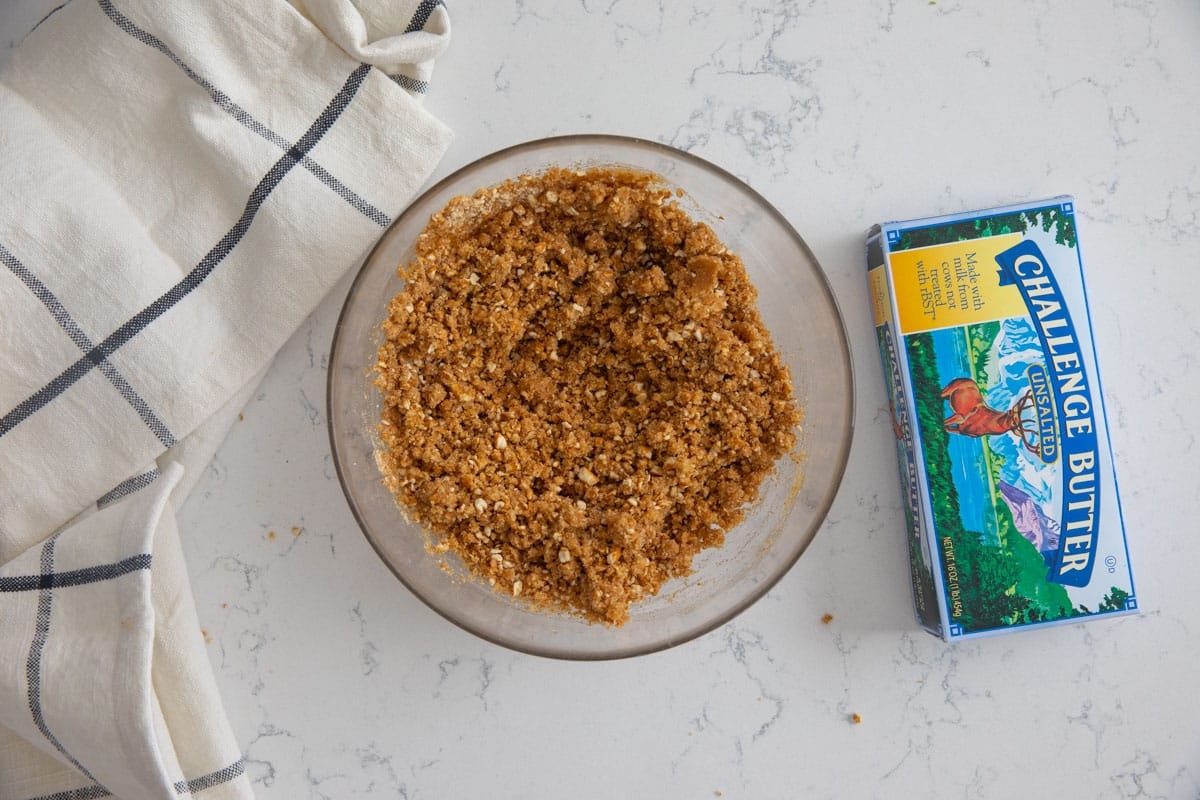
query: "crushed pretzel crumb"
617, 344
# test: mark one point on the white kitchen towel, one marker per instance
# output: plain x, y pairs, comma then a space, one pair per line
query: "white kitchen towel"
180, 185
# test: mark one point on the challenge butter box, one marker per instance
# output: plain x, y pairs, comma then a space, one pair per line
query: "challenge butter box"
1012, 508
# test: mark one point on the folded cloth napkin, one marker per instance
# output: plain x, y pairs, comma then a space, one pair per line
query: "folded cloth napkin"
180, 184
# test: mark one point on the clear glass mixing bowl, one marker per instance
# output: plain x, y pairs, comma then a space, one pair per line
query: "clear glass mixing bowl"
798, 308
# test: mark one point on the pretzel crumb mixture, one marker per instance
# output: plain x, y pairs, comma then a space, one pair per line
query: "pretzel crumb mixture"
580, 395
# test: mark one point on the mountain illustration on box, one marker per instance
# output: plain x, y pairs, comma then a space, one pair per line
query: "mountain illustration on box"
1014, 349
1030, 521
1024, 483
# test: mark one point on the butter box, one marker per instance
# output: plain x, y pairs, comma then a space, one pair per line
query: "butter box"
1012, 510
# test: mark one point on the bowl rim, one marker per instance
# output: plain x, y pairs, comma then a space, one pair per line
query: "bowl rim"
822, 509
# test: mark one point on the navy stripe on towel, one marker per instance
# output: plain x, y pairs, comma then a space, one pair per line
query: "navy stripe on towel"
231, 108
422, 14
193, 279
33, 665
84, 343
75, 577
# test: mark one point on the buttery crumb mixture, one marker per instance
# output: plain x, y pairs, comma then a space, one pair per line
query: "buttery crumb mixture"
579, 393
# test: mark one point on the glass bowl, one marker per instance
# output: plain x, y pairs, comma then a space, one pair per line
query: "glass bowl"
797, 307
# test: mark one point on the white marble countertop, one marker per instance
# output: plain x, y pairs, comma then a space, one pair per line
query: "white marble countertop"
340, 684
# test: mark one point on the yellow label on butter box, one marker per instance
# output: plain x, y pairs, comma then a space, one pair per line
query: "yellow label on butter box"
947, 285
